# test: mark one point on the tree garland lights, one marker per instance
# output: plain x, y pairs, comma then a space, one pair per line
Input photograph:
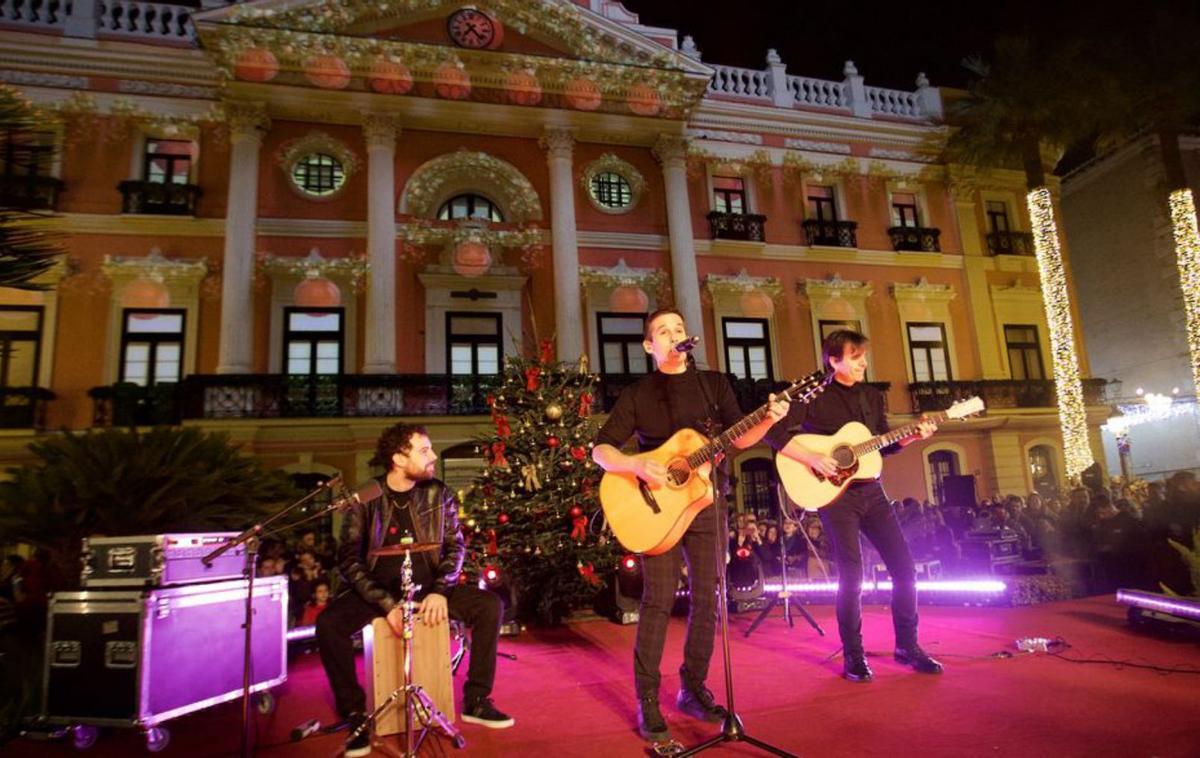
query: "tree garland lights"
1071, 413
1187, 251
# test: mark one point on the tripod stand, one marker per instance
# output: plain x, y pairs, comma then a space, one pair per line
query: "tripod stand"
784, 596
416, 701
731, 728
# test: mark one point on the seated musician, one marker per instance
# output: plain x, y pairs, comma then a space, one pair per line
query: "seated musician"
416, 506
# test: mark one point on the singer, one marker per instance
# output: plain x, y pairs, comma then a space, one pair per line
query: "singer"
674, 397
408, 505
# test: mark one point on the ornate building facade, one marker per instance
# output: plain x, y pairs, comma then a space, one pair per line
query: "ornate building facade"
296, 221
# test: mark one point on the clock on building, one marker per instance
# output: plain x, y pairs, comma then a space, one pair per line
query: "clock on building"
472, 28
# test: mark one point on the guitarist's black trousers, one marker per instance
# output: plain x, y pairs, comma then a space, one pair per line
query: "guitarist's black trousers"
864, 507
660, 578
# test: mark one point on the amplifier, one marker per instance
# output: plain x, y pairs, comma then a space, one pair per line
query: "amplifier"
138, 658
159, 560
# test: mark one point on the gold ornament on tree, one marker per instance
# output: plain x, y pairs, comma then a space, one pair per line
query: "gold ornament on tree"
554, 411
532, 482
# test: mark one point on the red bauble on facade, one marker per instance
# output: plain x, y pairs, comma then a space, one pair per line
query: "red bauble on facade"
256, 64
583, 94
523, 88
452, 82
389, 77
644, 100
629, 299
327, 72
471, 258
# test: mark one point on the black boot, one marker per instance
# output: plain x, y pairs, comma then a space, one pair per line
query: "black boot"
917, 658
698, 702
855, 668
651, 724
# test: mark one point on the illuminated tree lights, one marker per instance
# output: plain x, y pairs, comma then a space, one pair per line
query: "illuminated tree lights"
1187, 250
1071, 413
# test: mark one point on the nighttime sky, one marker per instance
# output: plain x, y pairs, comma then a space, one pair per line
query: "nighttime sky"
888, 41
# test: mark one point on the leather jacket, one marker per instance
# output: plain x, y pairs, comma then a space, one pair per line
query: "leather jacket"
434, 518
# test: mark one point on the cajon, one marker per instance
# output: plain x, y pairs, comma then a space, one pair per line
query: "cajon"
383, 658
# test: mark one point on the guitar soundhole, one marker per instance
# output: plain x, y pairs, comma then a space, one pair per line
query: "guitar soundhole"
844, 456
678, 473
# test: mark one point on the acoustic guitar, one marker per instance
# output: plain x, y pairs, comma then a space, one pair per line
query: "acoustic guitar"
857, 454
651, 519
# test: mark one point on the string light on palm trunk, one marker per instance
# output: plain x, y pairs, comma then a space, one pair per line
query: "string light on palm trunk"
1071, 413
1187, 252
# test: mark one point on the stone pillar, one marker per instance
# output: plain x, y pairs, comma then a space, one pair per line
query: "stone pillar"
380, 336
568, 313
247, 124
672, 154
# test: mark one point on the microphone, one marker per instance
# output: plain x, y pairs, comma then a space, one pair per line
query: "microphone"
366, 491
687, 345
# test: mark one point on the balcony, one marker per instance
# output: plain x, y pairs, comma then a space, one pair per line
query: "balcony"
750, 393
831, 233
998, 394
126, 404
158, 199
24, 407
1010, 243
737, 226
917, 239
30, 192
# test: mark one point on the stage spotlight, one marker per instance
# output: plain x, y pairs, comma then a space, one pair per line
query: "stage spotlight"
493, 580
491, 575
622, 593
629, 563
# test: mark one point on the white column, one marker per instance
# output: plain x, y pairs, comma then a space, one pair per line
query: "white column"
568, 313
672, 154
247, 123
380, 336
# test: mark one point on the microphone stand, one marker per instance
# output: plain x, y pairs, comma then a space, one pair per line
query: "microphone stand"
731, 729
250, 538
784, 596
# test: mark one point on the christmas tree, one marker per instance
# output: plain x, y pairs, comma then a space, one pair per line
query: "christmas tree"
533, 514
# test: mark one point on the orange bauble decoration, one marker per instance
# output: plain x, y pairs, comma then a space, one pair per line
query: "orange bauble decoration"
583, 94
471, 258
629, 299
644, 100
145, 292
317, 292
756, 304
256, 64
327, 72
523, 88
452, 82
390, 78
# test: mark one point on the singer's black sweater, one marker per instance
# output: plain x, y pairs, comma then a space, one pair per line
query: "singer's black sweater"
658, 405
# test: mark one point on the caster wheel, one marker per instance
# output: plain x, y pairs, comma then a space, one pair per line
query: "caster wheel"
265, 703
83, 737
460, 742
157, 739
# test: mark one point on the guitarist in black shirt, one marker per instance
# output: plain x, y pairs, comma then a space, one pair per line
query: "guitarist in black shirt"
863, 507
675, 397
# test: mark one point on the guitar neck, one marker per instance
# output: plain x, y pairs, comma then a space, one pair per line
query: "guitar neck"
881, 441
722, 442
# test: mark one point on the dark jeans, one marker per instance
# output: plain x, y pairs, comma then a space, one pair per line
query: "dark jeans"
865, 508
348, 612
660, 577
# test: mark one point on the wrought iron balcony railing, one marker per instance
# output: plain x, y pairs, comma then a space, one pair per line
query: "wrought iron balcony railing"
30, 192
750, 393
158, 198
831, 233
24, 407
917, 239
998, 394
126, 404
737, 226
1010, 243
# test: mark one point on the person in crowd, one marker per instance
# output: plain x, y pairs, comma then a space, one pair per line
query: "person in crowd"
770, 551
10, 577
314, 607
1118, 542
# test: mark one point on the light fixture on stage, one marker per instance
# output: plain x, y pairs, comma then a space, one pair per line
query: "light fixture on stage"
1180, 613
965, 586
493, 580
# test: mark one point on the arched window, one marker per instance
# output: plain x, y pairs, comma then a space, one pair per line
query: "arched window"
942, 463
470, 206
1041, 469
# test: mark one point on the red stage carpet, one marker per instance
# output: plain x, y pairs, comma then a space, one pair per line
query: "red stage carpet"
571, 694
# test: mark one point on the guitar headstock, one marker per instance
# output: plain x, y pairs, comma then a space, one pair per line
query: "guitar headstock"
807, 387
964, 408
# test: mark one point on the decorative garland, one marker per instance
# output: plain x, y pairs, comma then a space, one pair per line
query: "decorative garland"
428, 184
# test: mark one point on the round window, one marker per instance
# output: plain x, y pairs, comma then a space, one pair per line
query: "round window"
318, 174
611, 190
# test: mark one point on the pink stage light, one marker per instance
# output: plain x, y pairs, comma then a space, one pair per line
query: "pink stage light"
1154, 602
974, 586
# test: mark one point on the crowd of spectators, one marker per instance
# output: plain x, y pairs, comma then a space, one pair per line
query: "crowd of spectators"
308, 563
1116, 535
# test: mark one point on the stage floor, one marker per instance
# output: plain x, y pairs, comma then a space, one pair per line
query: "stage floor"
570, 691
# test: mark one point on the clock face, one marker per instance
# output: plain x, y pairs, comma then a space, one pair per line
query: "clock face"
471, 28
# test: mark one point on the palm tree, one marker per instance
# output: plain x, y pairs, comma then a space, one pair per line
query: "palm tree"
1028, 100
25, 252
